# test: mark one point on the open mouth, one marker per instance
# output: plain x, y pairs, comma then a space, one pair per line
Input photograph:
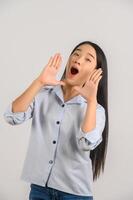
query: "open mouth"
74, 71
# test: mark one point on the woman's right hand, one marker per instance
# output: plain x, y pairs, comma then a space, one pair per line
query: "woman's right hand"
48, 75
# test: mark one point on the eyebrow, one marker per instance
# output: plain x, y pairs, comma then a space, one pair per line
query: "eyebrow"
87, 53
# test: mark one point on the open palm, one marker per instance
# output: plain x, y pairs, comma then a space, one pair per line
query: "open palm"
49, 73
89, 91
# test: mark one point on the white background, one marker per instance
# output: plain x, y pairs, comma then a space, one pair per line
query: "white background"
33, 30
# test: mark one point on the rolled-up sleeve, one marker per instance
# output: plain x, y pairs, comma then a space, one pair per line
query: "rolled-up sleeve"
15, 118
91, 139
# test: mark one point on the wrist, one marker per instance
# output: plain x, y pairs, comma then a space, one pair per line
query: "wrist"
94, 101
39, 83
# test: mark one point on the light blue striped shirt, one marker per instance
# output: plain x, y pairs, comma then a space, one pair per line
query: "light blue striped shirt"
59, 151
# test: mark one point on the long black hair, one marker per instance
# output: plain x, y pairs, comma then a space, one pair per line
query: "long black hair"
98, 155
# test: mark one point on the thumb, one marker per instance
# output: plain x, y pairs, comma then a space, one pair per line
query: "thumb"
61, 83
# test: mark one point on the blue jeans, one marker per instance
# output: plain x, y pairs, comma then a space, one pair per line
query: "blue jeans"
46, 193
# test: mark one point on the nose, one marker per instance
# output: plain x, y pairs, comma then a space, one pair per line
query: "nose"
78, 61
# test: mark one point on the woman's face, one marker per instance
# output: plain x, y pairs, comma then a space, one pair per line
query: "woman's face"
80, 64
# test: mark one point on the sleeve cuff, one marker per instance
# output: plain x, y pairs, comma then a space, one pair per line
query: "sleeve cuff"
15, 118
89, 141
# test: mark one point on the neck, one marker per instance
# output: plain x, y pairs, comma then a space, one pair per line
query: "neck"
68, 92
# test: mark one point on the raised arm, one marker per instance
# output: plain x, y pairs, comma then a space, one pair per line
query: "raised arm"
22, 108
47, 77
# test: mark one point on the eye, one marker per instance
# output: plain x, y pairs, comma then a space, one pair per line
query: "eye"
88, 59
76, 54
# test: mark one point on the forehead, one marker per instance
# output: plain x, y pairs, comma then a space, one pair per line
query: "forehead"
87, 49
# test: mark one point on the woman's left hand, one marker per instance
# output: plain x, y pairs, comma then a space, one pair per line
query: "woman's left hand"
89, 90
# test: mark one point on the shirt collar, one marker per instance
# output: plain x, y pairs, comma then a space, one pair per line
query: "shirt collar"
75, 100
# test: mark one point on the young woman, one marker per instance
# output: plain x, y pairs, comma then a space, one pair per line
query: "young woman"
69, 132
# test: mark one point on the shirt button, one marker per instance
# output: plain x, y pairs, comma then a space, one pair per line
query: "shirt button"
51, 161
57, 122
54, 141
63, 105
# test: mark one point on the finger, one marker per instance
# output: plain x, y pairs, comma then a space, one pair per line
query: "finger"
58, 62
56, 57
97, 72
95, 77
97, 82
50, 61
62, 83
53, 58
49, 64
91, 73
